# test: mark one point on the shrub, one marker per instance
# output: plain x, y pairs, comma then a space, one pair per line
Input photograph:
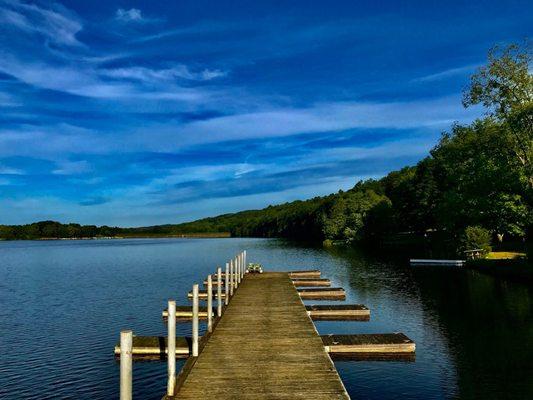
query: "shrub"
476, 237
327, 243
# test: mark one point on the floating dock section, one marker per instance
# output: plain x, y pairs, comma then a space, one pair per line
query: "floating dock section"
430, 262
322, 294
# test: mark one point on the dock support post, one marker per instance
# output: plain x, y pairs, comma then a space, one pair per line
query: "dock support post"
171, 347
126, 365
242, 266
195, 320
219, 292
231, 277
226, 277
209, 303
244, 259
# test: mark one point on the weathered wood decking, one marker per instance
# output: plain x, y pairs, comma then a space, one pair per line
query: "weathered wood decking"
329, 312
265, 346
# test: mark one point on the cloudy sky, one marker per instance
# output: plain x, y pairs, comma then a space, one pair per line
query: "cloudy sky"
145, 112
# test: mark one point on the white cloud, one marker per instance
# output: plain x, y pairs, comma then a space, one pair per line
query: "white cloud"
448, 73
161, 75
429, 116
433, 114
84, 80
10, 171
55, 23
72, 168
131, 15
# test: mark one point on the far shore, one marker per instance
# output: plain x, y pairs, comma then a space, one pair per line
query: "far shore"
139, 236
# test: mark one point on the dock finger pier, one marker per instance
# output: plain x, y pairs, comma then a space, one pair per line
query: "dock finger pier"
260, 341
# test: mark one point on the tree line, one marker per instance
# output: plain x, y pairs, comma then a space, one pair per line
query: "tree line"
476, 183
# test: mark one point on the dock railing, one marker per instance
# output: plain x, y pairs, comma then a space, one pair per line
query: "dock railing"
234, 273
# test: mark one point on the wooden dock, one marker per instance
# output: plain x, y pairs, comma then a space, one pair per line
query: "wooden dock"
264, 347
260, 341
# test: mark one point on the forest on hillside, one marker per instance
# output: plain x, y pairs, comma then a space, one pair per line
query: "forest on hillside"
473, 189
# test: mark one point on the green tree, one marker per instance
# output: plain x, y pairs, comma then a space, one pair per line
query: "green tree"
505, 87
504, 84
479, 180
476, 237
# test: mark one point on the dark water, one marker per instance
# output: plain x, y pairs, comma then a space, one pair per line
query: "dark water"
63, 304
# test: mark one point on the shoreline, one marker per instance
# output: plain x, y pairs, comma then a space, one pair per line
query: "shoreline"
222, 235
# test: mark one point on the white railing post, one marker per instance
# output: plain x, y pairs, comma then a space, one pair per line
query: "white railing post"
236, 272
236, 276
226, 289
195, 320
219, 292
231, 277
126, 365
242, 265
240, 268
244, 260
209, 303
171, 347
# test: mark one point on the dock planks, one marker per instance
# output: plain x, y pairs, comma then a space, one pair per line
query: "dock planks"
264, 347
311, 282
322, 294
307, 273
342, 312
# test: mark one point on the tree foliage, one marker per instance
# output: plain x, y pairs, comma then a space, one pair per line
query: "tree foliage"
477, 238
505, 87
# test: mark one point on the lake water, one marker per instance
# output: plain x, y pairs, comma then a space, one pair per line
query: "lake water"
63, 304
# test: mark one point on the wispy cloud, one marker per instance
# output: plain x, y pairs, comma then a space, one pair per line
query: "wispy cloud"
163, 75
55, 22
133, 14
72, 168
10, 171
86, 80
448, 73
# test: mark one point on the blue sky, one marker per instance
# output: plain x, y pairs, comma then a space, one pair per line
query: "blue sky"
145, 112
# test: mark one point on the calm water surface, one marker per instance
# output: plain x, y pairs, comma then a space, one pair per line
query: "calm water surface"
63, 304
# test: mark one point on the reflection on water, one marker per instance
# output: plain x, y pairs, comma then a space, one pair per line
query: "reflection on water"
64, 303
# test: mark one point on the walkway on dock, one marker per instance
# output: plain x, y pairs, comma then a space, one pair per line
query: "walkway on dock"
265, 346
